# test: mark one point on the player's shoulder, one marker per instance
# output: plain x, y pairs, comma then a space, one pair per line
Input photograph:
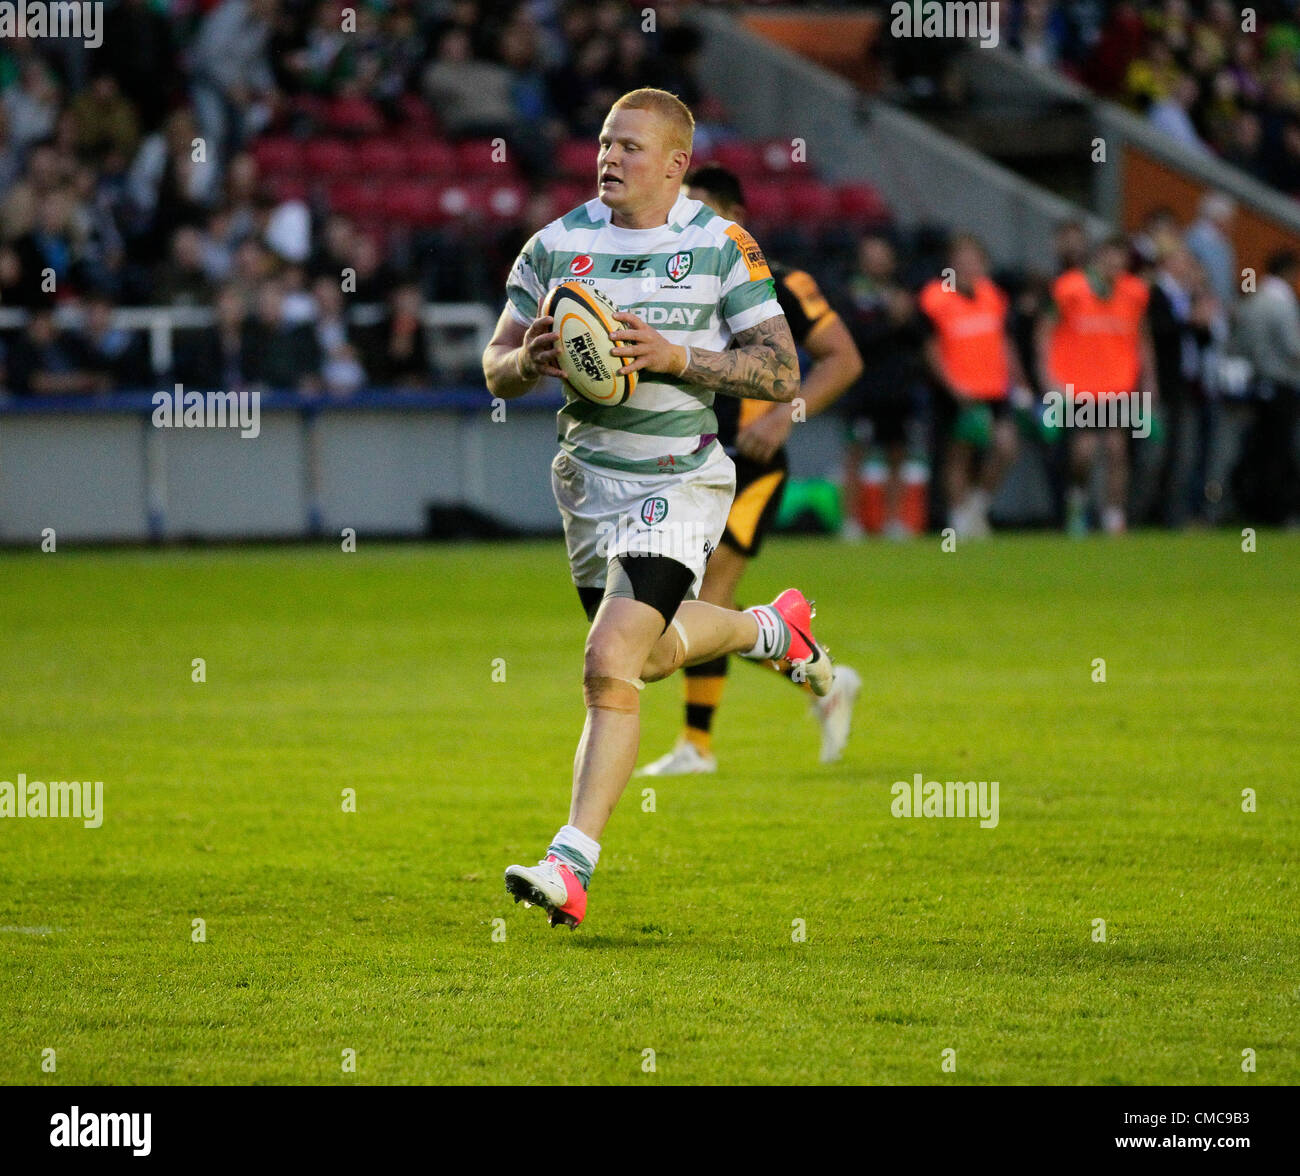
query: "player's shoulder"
995, 293
1072, 281
1135, 286
590, 216
933, 293
698, 220
733, 242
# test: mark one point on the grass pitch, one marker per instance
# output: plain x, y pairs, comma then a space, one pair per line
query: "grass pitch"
374, 931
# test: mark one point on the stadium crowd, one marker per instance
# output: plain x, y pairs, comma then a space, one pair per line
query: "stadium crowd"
130, 176
1218, 77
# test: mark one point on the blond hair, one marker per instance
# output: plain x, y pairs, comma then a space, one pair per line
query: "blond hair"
672, 111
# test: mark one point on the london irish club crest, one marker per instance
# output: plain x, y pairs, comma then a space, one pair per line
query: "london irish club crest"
654, 510
679, 265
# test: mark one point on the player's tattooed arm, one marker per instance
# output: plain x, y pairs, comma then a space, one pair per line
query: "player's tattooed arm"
761, 364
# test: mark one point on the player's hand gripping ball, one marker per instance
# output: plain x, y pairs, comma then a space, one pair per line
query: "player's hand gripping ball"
584, 321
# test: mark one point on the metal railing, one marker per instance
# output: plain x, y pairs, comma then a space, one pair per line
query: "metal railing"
457, 331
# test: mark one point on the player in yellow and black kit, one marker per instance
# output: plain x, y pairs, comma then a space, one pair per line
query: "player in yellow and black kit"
754, 435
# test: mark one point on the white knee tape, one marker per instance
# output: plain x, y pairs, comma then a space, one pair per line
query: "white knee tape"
681, 634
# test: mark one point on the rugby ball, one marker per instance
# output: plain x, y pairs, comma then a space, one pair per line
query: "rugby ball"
584, 320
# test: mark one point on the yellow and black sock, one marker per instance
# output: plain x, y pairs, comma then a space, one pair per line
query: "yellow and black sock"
704, 686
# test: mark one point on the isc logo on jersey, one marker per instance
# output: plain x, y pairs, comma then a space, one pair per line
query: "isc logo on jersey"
584, 320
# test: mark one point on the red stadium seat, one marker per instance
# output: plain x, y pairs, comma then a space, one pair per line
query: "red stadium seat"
312, 108
416, 119
766, 201
777, 158
484, 158
410, 202
381, 157
432, 202
330, 158
568, 194
278, 157
577, 159
745, 159
355, 198
455, 200
505, 202
286, 187
811, 202
354, 116
427, 158
861, 203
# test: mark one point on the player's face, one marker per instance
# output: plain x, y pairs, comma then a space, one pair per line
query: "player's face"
635, 160
968, 262
1111, 262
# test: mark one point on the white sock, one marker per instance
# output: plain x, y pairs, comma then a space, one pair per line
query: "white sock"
773, 635
579, 850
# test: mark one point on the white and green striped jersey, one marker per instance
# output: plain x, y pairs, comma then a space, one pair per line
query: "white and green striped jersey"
698, 280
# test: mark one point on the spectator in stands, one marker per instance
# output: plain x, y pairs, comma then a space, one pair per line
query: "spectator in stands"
472, 97
11, 277
1210, 243
333, 247
286, 228
254, 264
119, 355
102, 250
1182, 312
105, 120
341, 370
212, 358
47, 172
242, 203
1119, 45
1284, 170
233, 85
277, 354
11, 154
297, 303
167, 186
533, 130
1172, 114
48, 254
373, 277
678, 69
399, 350
32, 105
1157, 235
48, 361
325, 57
973, 362
883, 410
139, 50
400, 53
183, 280
1266, 334
1242, 148
1040, 31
